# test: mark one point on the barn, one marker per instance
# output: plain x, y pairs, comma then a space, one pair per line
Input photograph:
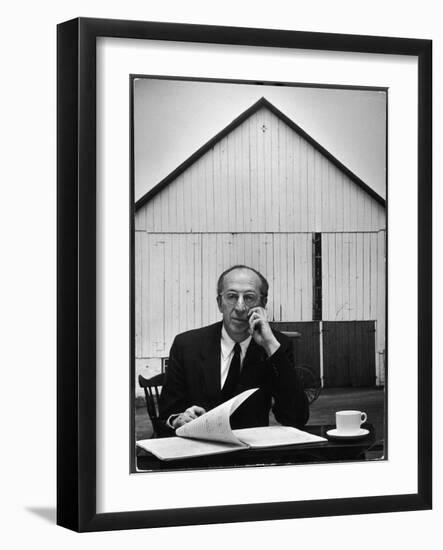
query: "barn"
264, 193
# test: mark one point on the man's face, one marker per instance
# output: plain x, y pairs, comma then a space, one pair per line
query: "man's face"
241, 291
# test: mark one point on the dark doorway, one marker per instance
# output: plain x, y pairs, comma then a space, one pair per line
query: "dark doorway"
348, 354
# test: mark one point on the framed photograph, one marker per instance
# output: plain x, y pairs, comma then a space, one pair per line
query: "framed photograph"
261, 192
244, 274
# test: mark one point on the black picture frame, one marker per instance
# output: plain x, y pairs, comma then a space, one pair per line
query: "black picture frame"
76, 278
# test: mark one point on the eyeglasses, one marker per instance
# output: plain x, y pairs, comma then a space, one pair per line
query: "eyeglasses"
250, 299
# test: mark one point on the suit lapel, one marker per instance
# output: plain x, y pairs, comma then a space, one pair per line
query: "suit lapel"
251, 372
210, 363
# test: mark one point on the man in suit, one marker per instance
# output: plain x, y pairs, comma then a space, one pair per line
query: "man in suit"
208, 366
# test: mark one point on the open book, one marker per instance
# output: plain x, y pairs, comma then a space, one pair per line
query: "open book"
211, 434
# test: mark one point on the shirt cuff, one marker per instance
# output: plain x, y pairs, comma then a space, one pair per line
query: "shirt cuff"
171, 420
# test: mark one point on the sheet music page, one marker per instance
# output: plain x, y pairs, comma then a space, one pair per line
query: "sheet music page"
172, 448
273, 436
214, 425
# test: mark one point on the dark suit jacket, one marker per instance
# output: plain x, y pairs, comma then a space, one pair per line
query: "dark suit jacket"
193, 378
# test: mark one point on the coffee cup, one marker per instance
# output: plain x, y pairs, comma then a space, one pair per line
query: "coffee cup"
349, 422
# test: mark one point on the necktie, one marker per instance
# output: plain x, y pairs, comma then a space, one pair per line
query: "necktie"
230, 386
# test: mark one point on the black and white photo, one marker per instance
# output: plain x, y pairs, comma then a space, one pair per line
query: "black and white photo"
259, 207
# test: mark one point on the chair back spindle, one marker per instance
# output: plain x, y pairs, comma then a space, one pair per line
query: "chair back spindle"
152, 390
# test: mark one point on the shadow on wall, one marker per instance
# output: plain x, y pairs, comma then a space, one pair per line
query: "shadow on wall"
46, 513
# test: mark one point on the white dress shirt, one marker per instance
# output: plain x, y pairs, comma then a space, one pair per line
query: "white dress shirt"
227, 353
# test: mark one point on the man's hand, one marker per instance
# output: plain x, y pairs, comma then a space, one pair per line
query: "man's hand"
190, 414
260, 330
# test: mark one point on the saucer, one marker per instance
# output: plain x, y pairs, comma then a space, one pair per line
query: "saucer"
335, 434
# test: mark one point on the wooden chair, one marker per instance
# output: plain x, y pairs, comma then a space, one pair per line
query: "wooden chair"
152, 388
311, 383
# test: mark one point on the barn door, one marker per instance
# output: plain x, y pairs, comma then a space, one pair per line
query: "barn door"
348, 353
307, 345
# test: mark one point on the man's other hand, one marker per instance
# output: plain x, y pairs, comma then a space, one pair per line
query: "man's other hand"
190, 413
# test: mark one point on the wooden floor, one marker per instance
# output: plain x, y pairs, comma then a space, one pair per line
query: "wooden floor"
369, 400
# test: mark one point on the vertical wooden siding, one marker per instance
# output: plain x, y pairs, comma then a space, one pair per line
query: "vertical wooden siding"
176, 275
262, 177
348, 351
256, 197
354, 282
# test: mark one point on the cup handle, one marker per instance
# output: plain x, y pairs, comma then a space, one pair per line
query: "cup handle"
364, 417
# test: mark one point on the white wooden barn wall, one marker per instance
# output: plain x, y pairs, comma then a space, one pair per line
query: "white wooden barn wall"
256, 197
262, 177
176, 277
353, 283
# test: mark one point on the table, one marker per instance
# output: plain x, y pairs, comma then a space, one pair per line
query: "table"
329, 451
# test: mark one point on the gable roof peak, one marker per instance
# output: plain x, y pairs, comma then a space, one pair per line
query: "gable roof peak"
262, 102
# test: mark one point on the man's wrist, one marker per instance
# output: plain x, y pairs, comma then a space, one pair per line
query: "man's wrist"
271, 346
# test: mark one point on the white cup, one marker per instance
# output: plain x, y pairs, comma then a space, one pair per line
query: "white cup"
349, 422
